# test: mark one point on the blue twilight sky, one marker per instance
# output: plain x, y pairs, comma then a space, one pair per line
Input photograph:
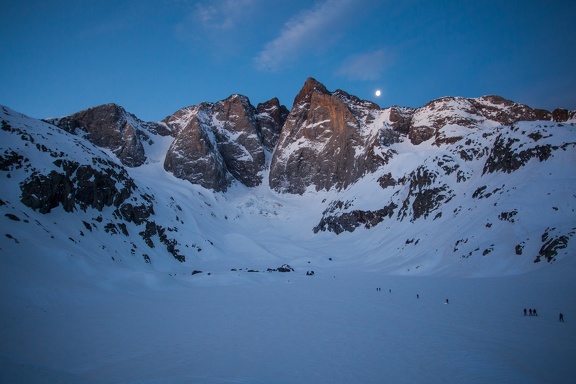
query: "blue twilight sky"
154, 57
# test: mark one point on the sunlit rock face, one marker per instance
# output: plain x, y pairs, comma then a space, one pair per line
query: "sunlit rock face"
326, 142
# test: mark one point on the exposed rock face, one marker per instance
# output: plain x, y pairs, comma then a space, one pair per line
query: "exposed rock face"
109, 126
271, 116
76, 185
194, 155
325, 142
562, 115
349, 221
238, 139
425, 195
217, 143
506, 155
400, 118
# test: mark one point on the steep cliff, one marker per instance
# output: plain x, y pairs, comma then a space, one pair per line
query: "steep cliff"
327, 142
217, 143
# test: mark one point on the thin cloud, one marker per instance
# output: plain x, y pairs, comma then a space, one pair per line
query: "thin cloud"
221, 15
216, 27
365, 66
313, 27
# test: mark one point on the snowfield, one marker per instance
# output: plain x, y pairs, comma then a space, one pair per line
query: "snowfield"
99, 326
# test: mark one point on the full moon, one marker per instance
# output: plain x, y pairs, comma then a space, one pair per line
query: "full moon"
377, 93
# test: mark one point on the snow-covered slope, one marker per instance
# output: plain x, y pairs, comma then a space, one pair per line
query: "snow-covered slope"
498, 199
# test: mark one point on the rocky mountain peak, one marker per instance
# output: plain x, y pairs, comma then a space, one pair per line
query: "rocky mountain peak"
310, 87
109, 126
325, 141
217, 143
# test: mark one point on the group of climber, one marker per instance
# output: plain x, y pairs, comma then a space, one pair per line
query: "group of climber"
527, 312
533, 312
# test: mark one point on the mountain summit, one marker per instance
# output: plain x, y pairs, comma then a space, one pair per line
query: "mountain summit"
329, 140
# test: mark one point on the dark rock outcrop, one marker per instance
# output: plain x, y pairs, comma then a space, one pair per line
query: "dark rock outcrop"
425, 194
271, 117
349, 221
77, 186
285, 268
401, 118
110, 126
507, 157
561, 115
